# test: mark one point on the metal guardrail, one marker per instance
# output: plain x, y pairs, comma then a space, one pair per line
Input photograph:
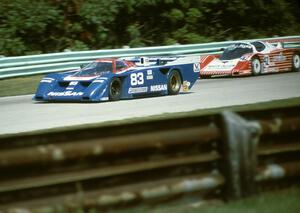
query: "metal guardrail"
55, 62
214, 157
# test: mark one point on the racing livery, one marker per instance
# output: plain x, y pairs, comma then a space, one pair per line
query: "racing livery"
251, 58
121, 78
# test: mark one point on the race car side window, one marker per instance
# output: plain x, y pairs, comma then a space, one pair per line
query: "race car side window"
258, 46
104, 66
95, 68
120, 65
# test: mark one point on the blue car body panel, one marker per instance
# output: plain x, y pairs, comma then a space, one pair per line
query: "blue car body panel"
136, 81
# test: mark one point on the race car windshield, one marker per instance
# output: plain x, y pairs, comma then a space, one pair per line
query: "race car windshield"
95, 69
235, 51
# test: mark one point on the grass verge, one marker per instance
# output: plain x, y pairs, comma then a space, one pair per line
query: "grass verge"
19, 86
276, 202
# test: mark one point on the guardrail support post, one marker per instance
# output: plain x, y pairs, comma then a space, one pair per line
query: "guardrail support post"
239, 153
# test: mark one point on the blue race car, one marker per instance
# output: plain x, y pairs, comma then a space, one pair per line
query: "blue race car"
121, 78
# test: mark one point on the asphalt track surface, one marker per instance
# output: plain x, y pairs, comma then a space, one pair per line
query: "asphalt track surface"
21, 114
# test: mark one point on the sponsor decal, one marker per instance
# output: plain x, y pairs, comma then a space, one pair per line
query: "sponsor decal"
98, 81
186, 86
75, 78
149, 77
196, 67
73, 83
279, 57
135, 90
219, 66
47, 80
239, 45
271, 69
158, 88
104, 99
66, 93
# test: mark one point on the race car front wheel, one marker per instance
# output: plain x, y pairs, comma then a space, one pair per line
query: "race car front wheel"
255, 66
174, 82
296, 62
115, 89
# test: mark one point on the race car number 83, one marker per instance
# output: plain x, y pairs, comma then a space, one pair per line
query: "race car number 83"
137, 78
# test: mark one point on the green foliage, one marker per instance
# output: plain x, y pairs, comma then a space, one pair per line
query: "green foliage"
134, 35
19, 86
41, 26
275, 202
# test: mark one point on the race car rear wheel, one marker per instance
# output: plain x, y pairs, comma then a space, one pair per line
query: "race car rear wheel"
296, 62
255, 66
174, 82
115, 89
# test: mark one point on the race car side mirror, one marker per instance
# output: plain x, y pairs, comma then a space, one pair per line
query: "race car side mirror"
222, 49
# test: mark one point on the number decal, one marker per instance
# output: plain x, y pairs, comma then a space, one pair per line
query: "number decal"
266, 61
137, 79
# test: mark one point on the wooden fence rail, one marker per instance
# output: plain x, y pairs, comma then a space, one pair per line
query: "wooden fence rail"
222, 156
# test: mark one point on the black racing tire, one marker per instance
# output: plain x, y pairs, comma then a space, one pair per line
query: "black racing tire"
174, 82
256, 66
296, 62
115, 87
